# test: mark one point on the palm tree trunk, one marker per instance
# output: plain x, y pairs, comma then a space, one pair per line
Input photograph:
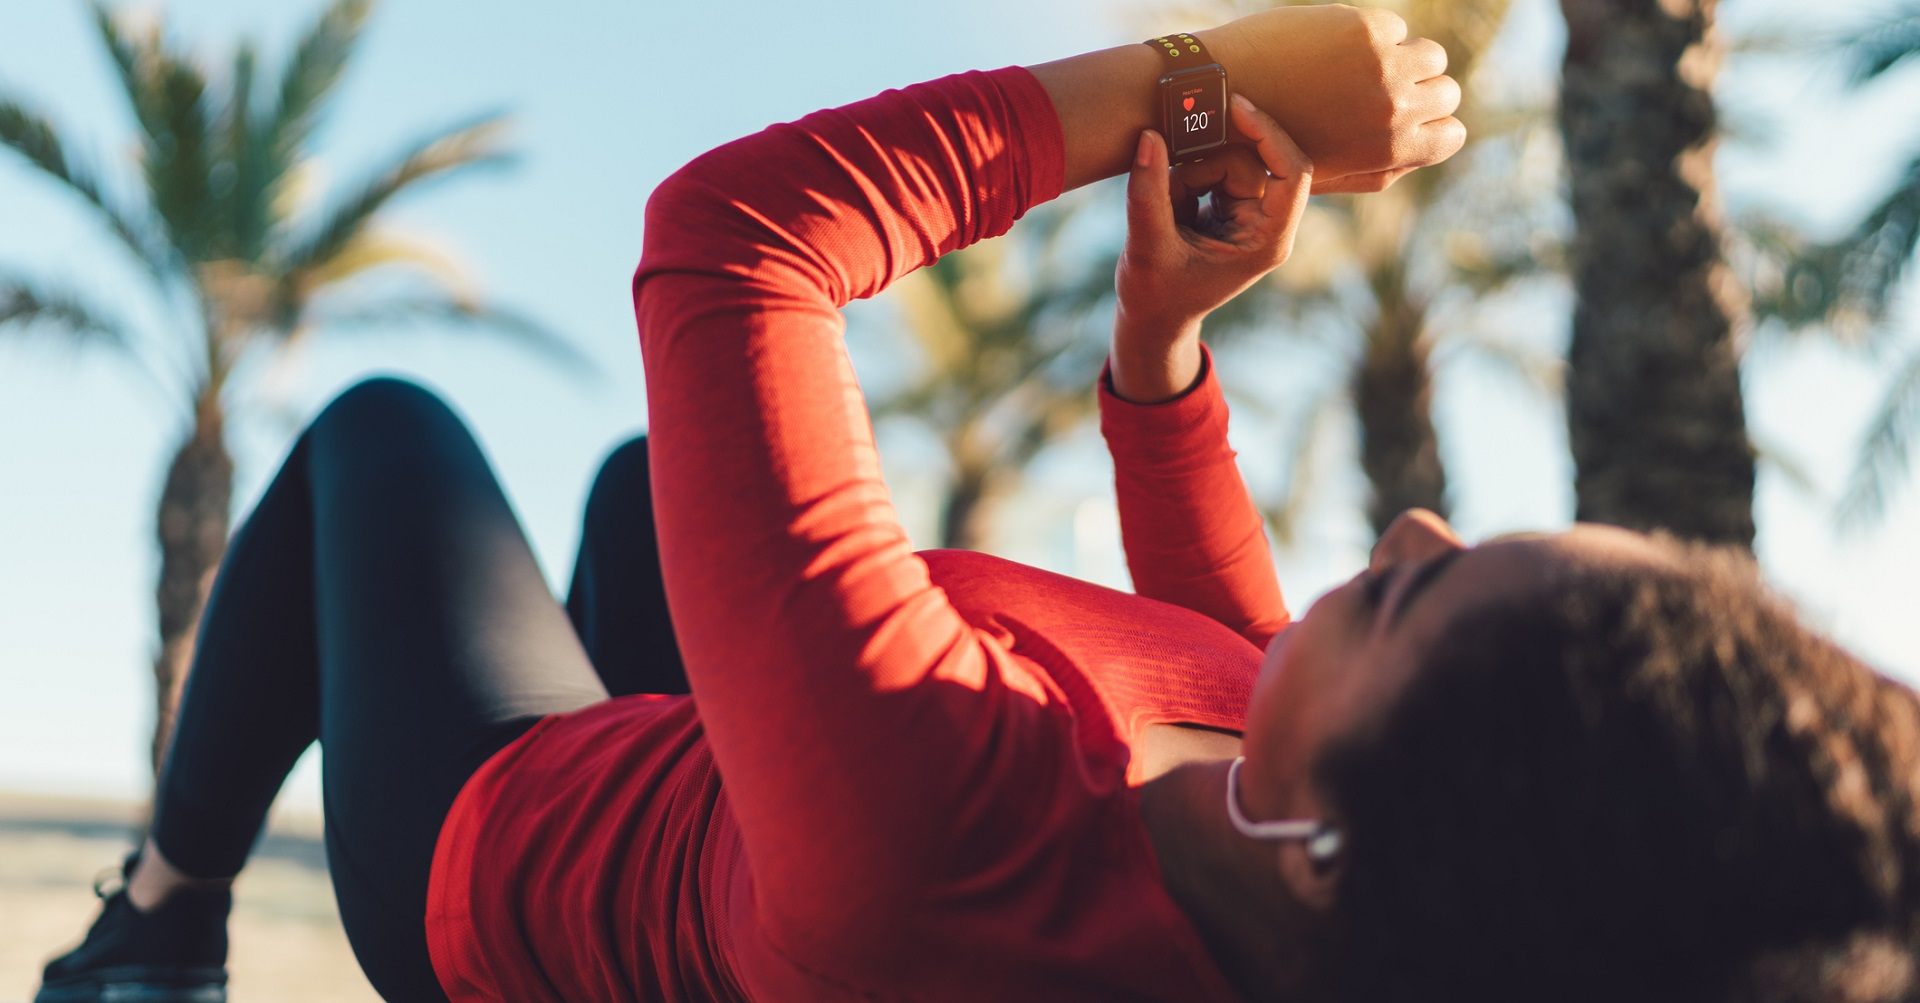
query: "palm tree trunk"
192, 525
1393, 399
1655, 417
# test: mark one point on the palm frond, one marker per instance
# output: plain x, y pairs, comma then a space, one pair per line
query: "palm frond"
471, 144
1885, 450
246, 209
131, 60
1879, 47
315, 69
1846, 285
453, 313
33, 137
375, 250
1775, 456
168, 95
1777, 264
28, 305
179, 155
1876, 255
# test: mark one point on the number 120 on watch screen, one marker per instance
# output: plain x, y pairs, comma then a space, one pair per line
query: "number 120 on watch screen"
1195, 118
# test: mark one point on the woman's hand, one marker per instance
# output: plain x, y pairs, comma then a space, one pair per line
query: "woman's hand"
1183, 260
1367, 100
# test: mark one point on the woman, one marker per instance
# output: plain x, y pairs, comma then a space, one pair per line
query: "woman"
947, 777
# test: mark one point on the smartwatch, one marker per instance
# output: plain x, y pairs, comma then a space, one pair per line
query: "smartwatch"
1193, 98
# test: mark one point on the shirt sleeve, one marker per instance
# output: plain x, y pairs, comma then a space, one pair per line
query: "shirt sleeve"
856, 718
1192, 534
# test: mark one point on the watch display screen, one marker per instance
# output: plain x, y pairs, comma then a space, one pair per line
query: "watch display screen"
1196, 110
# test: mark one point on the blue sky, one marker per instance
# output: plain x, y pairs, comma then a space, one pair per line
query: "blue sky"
608, 99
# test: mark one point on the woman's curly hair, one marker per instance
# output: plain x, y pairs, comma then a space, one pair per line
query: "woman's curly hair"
1633, 784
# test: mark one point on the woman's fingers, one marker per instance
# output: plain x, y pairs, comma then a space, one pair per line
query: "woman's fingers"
1292, 171
1441, 139
1436, 98
1235, 170
1424, 58
1149, 199
1286, 202
1437, 134
1384, 24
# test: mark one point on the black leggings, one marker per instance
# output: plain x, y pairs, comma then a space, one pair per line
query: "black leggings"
382, 599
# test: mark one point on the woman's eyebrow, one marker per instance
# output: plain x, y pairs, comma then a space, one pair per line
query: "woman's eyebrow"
1419, 579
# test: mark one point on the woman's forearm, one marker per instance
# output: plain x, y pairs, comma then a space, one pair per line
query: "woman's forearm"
1344, 82
1104, 100
1148, 364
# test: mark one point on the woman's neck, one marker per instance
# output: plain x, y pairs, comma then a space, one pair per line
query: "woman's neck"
1229, 887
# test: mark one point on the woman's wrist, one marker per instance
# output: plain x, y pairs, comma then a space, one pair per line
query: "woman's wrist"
1153, 361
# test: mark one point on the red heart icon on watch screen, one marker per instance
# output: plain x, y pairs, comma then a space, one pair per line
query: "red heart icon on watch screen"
1188, 104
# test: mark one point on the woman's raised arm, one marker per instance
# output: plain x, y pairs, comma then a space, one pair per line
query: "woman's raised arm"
860, 724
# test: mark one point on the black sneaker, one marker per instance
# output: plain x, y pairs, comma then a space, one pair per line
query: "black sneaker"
174, 954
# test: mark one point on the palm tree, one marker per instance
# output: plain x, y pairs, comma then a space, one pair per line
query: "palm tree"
1848, 283
241, 264
1656, 419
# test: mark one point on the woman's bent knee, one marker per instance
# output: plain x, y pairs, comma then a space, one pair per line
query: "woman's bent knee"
621, 483
380, 400
386, 416
381, 407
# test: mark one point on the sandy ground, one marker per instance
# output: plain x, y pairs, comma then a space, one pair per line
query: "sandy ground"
286, 937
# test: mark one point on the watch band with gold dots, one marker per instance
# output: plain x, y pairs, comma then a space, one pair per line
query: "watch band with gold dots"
1181, 50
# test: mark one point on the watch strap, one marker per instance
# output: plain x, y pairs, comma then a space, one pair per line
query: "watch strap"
1181, 50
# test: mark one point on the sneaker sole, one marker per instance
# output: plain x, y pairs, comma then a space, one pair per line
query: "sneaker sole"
133, 989
133, 994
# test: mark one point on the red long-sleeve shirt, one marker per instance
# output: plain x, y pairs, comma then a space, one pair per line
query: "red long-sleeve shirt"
899, 776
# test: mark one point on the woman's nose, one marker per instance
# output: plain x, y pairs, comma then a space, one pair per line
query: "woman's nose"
1414, 535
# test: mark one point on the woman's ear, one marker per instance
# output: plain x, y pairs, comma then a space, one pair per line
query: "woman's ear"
1312, 868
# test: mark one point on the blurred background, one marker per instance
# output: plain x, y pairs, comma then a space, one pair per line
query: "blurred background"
454, 192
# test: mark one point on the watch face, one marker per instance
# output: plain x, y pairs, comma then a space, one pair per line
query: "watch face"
1196, 109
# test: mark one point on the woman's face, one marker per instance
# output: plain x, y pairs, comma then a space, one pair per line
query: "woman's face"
1358, 645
